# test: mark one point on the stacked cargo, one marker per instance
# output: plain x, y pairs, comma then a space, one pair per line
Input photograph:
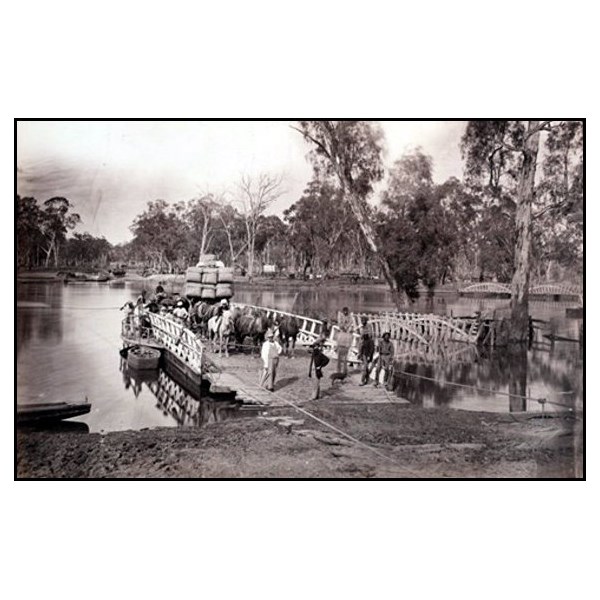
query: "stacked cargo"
209, 280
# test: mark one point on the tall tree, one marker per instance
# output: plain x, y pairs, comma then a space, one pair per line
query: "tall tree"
29, 233
256, 194
270, 240
510, 147
160, 234
319, 226
234, 229
202, 217
352, 152
57, 220
410, 175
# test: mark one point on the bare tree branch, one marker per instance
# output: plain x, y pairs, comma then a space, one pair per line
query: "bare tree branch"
310, 138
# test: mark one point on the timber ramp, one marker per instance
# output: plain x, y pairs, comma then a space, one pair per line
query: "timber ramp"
240, 373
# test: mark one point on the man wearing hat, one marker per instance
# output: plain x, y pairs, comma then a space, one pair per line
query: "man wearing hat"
180, 312
270, 353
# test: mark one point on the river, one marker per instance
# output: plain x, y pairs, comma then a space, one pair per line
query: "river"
68, 341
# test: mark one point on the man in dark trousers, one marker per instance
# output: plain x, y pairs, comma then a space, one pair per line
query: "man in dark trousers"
366, 349
320, 361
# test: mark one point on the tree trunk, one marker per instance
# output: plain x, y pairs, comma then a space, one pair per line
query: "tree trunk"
370, 236
517, 383
251, 260
520, 284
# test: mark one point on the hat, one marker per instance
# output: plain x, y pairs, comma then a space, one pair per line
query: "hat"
224, 302
180, 303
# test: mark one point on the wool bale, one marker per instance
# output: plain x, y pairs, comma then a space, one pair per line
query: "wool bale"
224, 290
209, 276
193, 290
225, 275
194, 275
209, 292
207, 260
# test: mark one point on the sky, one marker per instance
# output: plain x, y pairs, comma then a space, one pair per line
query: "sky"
110, 170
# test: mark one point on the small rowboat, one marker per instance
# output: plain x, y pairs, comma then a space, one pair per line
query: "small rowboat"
143, 358
36, 413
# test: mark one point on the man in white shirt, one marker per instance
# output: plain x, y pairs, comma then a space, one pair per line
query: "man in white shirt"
180, 312
270, 355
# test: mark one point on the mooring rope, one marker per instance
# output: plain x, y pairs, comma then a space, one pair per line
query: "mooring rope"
330, 426
349, 437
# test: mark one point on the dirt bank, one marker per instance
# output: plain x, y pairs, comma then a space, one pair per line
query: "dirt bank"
404, 442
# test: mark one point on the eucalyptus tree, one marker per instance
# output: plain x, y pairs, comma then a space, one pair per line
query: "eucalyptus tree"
419, 222
202, 216
56, 221
84, 249
231, 237
510, 150
319, 227
28, 228
160, 234
352, 152
271, 241
558, 204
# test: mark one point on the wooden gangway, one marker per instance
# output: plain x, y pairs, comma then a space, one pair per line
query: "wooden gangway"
404, 328
169, 335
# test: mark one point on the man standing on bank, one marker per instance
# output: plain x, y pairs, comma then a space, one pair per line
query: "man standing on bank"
343, 341
366, 349
270, 355
385, 360
345, 322
320, 361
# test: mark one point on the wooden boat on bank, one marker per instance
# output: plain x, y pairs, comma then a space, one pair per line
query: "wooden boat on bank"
38, 413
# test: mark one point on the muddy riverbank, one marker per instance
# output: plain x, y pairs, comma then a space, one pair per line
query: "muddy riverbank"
396, 441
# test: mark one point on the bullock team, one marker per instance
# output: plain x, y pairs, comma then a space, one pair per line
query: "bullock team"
244, 327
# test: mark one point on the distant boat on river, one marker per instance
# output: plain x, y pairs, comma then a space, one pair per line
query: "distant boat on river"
85, 277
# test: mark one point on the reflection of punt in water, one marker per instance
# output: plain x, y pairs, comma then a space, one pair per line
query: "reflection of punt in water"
186, 409
175, 400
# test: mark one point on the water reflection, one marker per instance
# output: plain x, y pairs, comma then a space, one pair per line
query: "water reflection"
43, 323
57, 427
67, 350
174, 401
546, 370
512, 376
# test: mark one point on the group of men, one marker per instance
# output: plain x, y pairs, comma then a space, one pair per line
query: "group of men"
174, 306
370, 353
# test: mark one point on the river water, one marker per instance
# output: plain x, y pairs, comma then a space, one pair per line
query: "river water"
68, 341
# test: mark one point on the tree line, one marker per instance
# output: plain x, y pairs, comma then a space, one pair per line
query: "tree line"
517, 208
